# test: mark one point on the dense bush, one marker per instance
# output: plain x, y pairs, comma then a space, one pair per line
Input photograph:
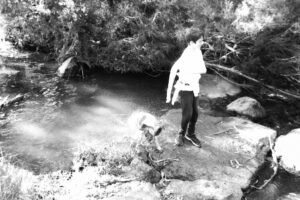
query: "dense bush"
144, 35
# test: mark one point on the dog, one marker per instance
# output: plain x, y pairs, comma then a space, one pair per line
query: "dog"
148, 126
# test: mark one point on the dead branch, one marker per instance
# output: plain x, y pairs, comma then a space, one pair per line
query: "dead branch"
230, 81
236, 72
163, 160
116, 181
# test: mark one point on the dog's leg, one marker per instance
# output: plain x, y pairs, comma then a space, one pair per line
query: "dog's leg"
158, 147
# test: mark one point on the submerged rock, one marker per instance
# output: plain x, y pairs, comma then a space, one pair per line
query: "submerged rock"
233, 149
287, 149
247, 106
216, 87
290, 196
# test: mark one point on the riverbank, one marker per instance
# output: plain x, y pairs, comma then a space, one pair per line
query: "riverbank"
218, 170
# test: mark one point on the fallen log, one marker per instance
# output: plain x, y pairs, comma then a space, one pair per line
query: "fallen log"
8, 102
236, 72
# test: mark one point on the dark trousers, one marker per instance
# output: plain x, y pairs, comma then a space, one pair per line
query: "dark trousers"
189, 106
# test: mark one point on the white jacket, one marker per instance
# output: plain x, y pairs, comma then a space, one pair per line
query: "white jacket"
188, 68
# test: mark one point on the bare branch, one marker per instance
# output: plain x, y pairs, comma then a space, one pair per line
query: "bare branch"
236, 72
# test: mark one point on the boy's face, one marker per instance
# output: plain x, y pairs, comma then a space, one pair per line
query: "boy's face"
200, 42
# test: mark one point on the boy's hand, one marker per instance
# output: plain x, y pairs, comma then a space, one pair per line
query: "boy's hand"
168, 100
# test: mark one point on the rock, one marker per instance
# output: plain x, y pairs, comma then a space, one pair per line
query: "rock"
202, 189
7, 71
287, 149
87, 89
290, 196
66, 66
141, 171
134, 191
247, 106
232, 151
215, 87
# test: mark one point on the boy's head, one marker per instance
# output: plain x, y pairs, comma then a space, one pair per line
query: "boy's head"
200, 42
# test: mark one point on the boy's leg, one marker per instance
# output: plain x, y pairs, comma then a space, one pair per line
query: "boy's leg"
187, 111
194, 118
191, 129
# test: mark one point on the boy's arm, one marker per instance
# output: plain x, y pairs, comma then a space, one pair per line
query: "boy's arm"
203, 68
172, 76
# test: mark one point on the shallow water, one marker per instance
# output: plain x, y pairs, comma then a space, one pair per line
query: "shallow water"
58, 117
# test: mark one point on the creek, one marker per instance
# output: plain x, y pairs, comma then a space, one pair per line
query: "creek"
58, 117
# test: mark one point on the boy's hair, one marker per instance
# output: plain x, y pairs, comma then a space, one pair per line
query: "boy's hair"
194, 37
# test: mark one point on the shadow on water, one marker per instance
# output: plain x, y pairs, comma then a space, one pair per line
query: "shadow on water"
282, 184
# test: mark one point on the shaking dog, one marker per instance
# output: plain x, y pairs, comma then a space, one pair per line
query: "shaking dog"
148, 125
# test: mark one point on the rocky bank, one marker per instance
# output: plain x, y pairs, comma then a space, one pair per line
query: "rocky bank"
233, 149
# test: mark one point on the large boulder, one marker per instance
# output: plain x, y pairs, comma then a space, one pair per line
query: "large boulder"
287, 149
233, 149
247, 106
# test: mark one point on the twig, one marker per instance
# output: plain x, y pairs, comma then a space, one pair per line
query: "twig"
163, 160
235, 164
266, 182
220, 132
107, 183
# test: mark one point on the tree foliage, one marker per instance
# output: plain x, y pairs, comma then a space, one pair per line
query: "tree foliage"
259, 38
144, 35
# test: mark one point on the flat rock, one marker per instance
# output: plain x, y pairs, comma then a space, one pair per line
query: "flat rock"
202, 189
136, 191
247, 106
287, 149
232, 150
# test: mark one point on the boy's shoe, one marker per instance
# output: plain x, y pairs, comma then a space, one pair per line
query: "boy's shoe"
179, 140
193, 139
